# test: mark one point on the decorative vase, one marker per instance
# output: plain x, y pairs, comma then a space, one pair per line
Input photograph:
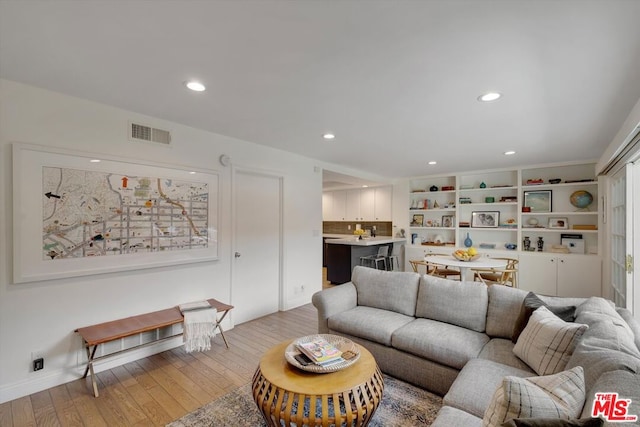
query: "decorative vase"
360, 237
468, 242
527, 243
540, 244
483, 185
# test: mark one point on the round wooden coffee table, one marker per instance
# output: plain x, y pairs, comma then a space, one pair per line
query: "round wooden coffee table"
348, 397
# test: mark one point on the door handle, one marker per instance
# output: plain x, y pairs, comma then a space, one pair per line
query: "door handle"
237, 255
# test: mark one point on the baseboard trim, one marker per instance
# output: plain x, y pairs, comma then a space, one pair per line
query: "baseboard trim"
45, 380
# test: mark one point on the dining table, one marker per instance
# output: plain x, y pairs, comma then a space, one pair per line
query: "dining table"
466, 266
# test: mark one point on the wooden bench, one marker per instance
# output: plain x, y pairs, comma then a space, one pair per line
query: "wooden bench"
102, 333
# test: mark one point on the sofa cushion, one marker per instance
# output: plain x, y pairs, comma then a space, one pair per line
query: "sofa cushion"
503, 310
607, 345
632, 322
547, 342
530, 304
451, 301
500, 350
553, 422
477, 382
394, 291
626, 384
450, 417
369, 323
559, 395
440, 342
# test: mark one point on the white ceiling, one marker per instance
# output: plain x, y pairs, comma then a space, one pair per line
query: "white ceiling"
396, 81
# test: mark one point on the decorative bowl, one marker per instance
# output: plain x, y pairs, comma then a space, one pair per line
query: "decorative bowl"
459, 258
343, 344
510, 246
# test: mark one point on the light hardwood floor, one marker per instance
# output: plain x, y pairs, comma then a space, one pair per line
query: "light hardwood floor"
156, 390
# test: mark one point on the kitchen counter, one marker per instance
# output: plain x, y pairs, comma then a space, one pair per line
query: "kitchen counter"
366, 241
343, 253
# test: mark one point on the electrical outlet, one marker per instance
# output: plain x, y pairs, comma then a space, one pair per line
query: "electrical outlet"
38, 364
37, 360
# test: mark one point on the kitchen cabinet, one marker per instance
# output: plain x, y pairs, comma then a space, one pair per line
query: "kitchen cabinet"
366, 204
566, 275
353, 205
334, 205
382, 205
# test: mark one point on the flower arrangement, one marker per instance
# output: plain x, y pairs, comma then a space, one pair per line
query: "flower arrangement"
359, 232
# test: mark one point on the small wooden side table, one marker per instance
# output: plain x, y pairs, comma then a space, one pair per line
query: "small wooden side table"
348, 397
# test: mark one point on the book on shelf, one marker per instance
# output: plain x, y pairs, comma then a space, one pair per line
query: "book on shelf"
320, 351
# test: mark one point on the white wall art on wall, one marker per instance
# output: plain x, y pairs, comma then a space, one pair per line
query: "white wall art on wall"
77, 214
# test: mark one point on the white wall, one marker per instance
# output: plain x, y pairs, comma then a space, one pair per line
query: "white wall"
43, 315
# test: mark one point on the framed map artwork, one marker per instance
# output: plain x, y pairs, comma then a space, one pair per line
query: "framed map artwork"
78, 214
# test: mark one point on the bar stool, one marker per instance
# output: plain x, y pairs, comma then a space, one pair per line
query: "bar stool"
391, 258
373, 260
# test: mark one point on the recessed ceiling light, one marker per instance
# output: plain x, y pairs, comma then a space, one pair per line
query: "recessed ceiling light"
95, 160
192, 173
509, 153
433, 162
195, 86
329, 136
489, 96
365, 186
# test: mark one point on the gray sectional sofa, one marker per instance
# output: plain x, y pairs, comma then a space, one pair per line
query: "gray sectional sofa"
455, 338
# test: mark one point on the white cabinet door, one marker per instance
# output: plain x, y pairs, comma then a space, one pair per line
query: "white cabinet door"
339, 206
561, 275
383, 203
327, 206
579, 276
353, 205
368, 204
333, 205
538, 273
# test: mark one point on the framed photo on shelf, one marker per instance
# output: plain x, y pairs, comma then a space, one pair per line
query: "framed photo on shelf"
485, 219
448, 221
417, 220
538, 201
558, 223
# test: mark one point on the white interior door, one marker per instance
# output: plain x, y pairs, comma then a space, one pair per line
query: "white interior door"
257, 248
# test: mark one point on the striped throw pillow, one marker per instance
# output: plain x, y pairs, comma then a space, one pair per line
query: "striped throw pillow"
560, 396
547, 342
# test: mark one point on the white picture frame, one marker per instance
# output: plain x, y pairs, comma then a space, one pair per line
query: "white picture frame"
32, 164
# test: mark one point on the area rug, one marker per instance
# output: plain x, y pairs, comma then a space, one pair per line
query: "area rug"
402, 405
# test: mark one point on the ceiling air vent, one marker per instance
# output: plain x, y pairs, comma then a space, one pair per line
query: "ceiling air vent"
138, 132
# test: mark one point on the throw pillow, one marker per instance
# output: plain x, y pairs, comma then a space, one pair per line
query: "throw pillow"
547, 342
553, 396
552, 422
530, 304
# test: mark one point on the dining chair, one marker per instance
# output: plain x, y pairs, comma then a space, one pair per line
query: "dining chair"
508, 275
416, 264
439, 270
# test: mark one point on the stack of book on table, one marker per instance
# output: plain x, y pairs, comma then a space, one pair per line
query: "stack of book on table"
320, 351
